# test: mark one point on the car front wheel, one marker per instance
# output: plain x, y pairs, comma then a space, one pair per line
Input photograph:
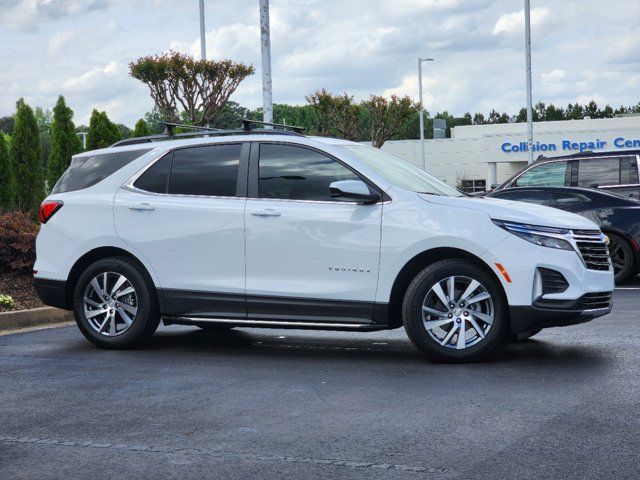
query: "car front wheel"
454, 311
115, 305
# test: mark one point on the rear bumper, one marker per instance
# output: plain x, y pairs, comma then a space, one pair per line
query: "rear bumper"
52, 292
545, 314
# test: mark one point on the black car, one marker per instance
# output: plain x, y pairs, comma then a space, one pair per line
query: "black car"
615, 171
618, 217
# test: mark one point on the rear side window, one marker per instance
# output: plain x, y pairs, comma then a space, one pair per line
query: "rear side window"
567, 200
210, 170
599, 171
156, 178
84, 172
550, 174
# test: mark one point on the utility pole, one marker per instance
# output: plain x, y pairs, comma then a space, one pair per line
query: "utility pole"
527, 42
423, 158
203, 43
265, 43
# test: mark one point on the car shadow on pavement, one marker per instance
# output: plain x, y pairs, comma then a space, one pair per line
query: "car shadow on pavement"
325, 347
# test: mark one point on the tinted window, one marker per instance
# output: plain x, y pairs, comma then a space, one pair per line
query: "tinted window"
567, 200
599, 171
539, 197
84, 172
298, 173
550, 174
210, 170
156, 178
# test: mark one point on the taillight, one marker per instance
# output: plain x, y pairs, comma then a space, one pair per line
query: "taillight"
48, 209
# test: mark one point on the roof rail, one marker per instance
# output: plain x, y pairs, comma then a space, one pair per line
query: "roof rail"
197, 131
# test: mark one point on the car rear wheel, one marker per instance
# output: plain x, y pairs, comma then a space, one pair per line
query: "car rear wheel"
115, 305
621, 257
454, 311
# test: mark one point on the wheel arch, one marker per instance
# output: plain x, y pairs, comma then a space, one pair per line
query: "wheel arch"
626, 237
94, 255
421, 261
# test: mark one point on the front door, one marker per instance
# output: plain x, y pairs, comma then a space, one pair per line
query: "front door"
185, 215
310, 257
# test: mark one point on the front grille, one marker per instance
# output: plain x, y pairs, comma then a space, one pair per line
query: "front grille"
552, 281
594, 300
593, 250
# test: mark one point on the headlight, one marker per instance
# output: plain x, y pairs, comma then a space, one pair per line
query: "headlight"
544, 236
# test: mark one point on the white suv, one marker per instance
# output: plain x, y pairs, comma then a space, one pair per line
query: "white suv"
268, 228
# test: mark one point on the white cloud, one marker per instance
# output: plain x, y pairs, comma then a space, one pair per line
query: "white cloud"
513, 23
60, 40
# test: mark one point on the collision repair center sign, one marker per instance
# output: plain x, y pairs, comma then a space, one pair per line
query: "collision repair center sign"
572, 146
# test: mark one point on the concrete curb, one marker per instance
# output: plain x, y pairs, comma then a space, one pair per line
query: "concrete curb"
34, 317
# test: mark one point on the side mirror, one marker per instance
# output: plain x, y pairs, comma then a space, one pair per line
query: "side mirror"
353, 190
493, 186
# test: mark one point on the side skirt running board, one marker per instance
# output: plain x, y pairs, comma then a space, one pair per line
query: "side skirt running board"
270, 323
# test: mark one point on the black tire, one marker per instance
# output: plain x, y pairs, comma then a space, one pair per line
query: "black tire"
621, 256
520, 337
147, 317
215, 328
413, 318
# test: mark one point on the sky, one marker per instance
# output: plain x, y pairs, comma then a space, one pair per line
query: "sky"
582, 50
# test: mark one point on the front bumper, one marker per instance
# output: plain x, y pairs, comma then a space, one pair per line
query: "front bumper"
559, 313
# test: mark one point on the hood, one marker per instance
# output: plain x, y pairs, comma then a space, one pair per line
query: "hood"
516, 211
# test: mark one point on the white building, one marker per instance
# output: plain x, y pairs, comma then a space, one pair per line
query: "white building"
494, 152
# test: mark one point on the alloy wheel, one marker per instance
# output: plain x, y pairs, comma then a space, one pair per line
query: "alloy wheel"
457, 312
110, 304
618, 256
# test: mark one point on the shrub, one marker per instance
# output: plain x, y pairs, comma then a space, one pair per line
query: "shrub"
7, 301
17, 242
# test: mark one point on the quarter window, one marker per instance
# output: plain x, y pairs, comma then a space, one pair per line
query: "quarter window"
296, 173
210, 170
550, 174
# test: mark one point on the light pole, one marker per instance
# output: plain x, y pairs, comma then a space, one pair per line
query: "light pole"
527, 44
423, 159
265, 37
203, 44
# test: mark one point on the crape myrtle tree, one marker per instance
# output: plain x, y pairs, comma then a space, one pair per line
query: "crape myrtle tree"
388, 116
6, 175
336, 115
25, 159
102, 131
64, 141
179, 83
141, 129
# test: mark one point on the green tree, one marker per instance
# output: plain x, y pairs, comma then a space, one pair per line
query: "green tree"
141, 129
200, 88
25, 159
64, 141
337, 115
102, 131
388, 116
6, 176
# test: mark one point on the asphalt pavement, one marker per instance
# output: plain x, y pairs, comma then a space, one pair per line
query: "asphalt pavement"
274, 404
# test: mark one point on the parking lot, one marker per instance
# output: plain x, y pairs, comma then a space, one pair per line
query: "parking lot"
294, 404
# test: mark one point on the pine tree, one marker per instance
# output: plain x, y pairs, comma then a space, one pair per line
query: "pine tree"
102, 131
64, 141
6, 176
25, 159
141, 129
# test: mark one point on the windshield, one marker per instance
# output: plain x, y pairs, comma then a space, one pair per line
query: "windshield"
400, 173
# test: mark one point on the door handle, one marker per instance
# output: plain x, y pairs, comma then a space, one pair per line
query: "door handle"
141, 207
268, 212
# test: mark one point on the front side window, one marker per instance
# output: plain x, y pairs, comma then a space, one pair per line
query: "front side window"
297, 173
550, 174
211, 170
599, 171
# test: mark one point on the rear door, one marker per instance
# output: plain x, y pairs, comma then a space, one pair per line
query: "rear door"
185, 215
310, 257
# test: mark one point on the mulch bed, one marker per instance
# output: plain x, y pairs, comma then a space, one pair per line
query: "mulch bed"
20, 287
